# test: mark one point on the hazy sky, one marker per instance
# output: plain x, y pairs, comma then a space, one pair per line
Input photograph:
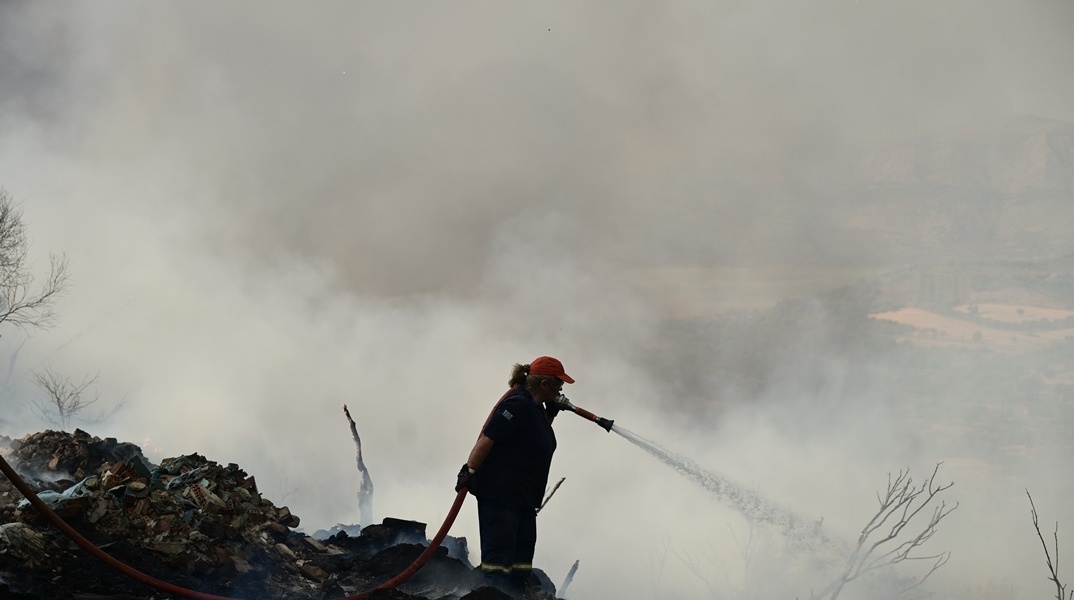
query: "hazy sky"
271, 210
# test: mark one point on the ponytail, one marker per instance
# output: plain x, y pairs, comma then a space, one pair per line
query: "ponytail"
518, 375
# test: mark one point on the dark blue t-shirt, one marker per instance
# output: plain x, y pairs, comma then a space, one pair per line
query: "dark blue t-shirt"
515, 472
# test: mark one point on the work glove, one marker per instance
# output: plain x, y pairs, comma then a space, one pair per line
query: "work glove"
555, 405
551, 410
464, 478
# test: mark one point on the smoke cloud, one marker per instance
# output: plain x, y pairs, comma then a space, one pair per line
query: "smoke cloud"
273, 210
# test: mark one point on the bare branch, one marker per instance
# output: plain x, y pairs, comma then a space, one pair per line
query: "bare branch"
65, 398
941, 560
18, 305
656, 566
899, 505
1053, 568
550, 494
694, 566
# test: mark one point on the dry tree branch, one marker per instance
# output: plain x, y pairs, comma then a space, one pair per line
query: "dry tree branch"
550, 494
656, 566
65, 398
898, 506
1053, 568
748, 552
18, 306
694, 566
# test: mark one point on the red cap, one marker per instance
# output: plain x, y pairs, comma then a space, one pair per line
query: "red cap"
546, 365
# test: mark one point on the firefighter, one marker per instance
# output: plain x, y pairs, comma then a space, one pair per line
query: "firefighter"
507, 471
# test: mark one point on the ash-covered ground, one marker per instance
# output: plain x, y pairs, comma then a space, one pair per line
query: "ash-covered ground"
200, 525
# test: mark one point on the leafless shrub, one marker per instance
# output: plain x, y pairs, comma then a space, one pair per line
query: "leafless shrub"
885, 540
18, 305
66, 399
695, 565
1053, 567
657, 561
285, 490
757, 555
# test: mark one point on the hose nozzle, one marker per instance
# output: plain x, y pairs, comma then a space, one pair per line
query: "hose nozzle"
564, 404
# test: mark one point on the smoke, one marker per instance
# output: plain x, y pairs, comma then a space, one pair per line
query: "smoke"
271, 211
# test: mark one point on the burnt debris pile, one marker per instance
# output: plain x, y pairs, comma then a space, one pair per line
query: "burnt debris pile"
197, 524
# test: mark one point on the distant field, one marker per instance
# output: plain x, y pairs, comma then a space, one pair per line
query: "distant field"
932, 329
1017, 313
683, 292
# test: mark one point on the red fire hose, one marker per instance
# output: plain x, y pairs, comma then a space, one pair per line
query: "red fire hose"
169, 588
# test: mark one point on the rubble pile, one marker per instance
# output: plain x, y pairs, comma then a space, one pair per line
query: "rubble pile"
195, 523
53, 461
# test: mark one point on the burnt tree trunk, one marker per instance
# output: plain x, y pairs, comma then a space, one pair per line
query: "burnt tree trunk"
365, 488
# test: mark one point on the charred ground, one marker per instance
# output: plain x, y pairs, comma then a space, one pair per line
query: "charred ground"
197, 524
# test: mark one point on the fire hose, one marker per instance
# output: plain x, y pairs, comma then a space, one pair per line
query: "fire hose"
565, 404
170, 588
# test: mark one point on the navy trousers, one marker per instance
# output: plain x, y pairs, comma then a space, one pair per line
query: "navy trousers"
508, 539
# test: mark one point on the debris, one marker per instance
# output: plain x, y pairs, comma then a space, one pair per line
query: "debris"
23, 542
197, 524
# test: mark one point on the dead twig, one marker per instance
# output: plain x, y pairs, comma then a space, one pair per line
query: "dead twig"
549, 496
1053, 567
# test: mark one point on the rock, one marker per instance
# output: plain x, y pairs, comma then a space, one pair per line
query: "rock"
23, 542
319, 547
284, 516
487, 593
285, 552
313, 572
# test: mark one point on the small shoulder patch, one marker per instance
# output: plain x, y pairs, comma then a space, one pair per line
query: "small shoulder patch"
507, 414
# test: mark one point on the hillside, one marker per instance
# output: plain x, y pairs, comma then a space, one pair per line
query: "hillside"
1025, 155
1003, 191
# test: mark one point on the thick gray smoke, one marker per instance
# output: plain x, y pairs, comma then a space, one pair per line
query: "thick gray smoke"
272, 210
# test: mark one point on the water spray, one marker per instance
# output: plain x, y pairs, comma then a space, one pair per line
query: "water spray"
564, 404
747, 502
802, 532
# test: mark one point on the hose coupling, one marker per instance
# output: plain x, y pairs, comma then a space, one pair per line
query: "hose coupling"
564, 404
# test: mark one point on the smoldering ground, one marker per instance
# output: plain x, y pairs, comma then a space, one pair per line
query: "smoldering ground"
273, 211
